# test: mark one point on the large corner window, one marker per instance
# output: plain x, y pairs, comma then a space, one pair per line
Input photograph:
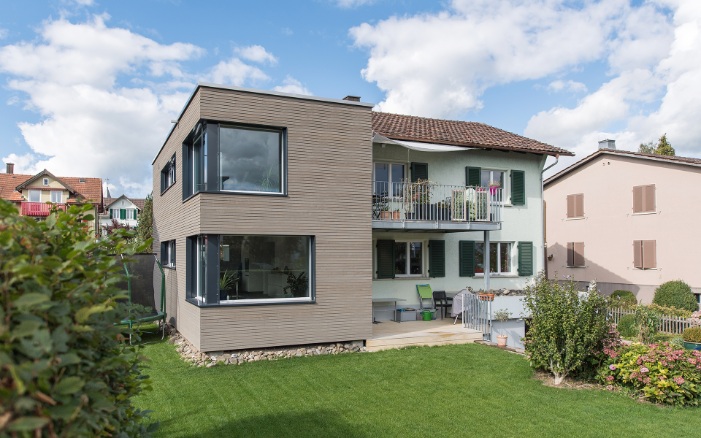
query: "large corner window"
499, 258
234, 158
243, 269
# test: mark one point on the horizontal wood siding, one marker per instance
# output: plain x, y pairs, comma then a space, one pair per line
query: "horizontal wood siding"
329, 179
173, 220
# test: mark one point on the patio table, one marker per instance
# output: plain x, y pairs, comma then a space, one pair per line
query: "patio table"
386, 300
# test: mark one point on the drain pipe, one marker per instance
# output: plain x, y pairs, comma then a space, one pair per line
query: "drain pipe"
542, 212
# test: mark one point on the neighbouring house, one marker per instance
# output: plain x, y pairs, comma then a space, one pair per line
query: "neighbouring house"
36, 195
123, 210
624, 219
279, 217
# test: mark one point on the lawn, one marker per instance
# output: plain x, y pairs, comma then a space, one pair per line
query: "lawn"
459, 390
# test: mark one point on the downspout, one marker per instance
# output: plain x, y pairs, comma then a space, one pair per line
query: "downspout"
542, 212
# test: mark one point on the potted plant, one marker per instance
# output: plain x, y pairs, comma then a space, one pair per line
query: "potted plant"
395, 214
296, 284
502, 315
493, 187
692, 338
228, 282
486, 296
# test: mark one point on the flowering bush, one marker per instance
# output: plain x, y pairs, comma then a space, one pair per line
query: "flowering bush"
660, 373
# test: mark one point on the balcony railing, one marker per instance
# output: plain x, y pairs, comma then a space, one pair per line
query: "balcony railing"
427, 201
39, 208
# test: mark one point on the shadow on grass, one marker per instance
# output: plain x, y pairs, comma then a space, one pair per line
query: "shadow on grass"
320, 423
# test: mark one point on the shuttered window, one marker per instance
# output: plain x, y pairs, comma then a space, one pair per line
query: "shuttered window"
385, 259
575, 254
436, 258
644, 199
645, 254
419, 171
473, 176
525, 258
575, 205
518, 188
466, 258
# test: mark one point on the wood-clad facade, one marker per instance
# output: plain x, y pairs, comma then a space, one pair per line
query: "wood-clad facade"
327, 174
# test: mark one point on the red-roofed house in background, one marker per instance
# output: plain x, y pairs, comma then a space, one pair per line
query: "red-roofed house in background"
124, 210
625, 219
35, 195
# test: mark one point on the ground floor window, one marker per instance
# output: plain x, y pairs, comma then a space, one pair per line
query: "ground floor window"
499, 257
237, 269
408, 258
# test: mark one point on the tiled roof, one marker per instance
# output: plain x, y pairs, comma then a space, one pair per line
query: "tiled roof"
139, 202
456, 133
88, 188
687, 161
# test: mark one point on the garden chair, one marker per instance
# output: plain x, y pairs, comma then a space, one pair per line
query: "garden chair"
425, 293
442, 302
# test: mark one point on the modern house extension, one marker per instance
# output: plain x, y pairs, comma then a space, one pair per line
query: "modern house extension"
625, 220
280, 217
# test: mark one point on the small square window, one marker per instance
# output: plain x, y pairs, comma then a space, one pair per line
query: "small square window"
45, 181
168, 254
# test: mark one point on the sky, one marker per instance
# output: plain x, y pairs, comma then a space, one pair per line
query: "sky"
90, 87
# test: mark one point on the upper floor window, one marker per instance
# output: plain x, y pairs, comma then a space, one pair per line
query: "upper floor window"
234, 158
492, 178
575, 254
56, 196
645, 254
644, 199
168, 253
575, 205
168, 174
34, 196
388, 178
45, 181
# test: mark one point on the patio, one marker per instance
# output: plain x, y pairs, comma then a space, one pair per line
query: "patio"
388, 335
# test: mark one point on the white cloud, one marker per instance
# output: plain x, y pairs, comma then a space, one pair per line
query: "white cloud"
90, 124
347, 4
84, 2
292, 85
236, 72
257, 54
569, 85
3, 33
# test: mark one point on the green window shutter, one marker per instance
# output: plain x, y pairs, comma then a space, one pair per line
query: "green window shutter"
419, 171
518, 187
385, 259
111, 215
436, 258
525, 259
122, 213
466, 261
473, 176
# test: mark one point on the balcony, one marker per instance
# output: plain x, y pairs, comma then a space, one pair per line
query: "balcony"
39, 208
427, 206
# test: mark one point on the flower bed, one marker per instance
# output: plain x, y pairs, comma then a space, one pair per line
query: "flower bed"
660, 373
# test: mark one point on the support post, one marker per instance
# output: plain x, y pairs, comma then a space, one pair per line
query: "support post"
486, 262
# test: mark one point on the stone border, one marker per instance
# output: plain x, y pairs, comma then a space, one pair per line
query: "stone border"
195, 357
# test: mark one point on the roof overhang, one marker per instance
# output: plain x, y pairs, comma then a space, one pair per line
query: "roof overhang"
419, 146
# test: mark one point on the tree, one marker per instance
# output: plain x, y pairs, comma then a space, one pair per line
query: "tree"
568, 329
144, 225
115, 225
663, 147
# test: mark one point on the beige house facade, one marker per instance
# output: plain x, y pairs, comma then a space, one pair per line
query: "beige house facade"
626, 220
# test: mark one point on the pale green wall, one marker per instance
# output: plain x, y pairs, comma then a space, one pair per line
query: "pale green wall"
522, 223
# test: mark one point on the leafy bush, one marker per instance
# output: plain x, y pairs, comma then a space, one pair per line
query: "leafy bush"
622, 298
676, 294
65, 369
567, 333
660, 373
628, 326
648, 322
692, 334
669, 311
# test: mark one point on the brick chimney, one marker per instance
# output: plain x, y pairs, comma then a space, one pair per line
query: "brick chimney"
10, 168
607, 144
352, 98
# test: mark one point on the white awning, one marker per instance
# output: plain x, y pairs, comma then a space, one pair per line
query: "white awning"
418, 146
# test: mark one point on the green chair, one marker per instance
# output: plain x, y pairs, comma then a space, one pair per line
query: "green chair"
425, 293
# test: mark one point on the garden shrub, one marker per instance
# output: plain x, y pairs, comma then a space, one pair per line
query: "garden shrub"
65, 369
628, 326
670, 311
660, 373
622, 298
676, 294
567, 333
692, 334
648, 322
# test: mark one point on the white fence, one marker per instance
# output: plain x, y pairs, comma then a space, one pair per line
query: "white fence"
668, 324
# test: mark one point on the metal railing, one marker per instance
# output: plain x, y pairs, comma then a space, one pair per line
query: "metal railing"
428, 201
477, 314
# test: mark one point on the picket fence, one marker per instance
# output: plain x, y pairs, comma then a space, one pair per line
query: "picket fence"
668, 324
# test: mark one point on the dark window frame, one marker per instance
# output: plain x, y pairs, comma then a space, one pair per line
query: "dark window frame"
168, 254
168, 175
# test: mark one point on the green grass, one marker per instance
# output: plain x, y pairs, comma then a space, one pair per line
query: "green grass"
461, 390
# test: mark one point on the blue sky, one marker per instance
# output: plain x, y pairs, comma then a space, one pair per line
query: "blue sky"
88, 87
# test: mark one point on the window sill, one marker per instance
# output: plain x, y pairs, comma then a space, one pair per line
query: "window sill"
575, 218
167, 188
644, 213
494, 275
575, 267
404, 277
245, 303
